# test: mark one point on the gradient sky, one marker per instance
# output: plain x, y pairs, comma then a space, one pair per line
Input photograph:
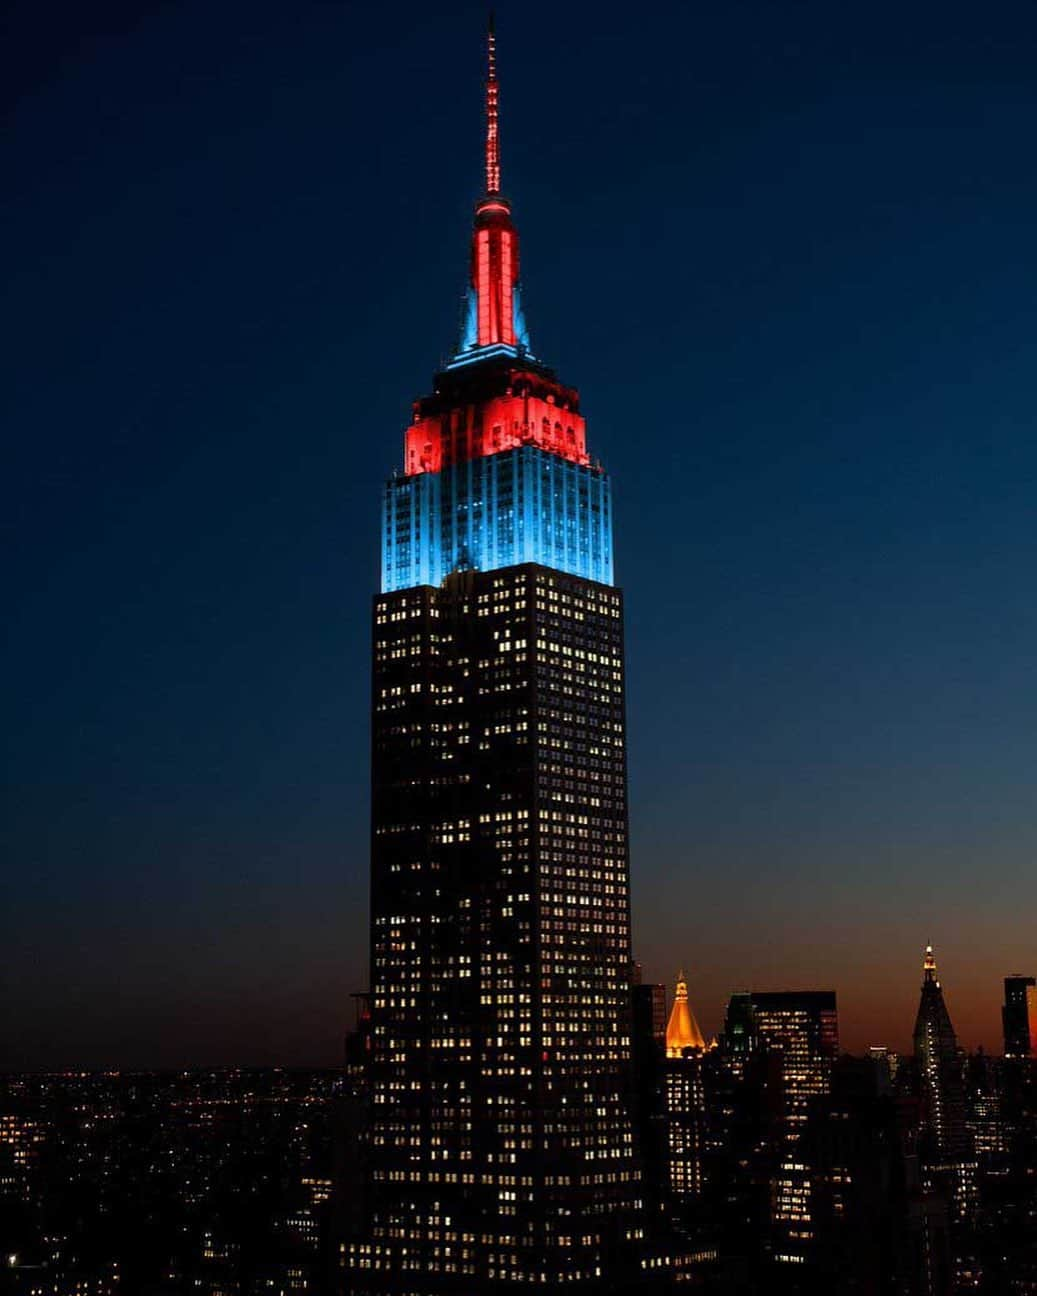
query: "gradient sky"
788, 254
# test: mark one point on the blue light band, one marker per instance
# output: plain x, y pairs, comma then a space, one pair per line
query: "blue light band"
522, 505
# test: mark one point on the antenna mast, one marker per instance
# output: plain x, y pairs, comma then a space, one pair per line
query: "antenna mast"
492, 138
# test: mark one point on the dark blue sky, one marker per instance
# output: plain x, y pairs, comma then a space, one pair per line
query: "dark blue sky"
787, 253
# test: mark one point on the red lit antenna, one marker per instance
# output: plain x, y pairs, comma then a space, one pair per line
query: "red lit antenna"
492, 140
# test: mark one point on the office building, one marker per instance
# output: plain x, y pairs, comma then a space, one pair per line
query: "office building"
1019, 1016
502, 1139
685, 1098
804, 1027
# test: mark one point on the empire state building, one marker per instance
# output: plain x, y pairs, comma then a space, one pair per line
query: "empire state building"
500, 1146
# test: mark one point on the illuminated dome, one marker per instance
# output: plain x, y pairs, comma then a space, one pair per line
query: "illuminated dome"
682, 1030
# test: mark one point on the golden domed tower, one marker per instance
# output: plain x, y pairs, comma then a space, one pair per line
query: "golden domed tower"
682, 1030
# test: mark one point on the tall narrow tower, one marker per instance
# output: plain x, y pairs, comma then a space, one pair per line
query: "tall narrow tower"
939, 1069
685, 1097
501, 1150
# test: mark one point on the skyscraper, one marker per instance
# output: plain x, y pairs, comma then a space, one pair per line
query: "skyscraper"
739, 1030
804, 1026
501, 1144
801, 1027
939, 1066
685, 1097
945, 1147
1019, 1016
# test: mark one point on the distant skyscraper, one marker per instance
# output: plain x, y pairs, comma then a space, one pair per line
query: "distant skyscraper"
945, 1146
1019, 1016
939, 1066
804, 1025
885, 1058
685, 1097
739, 1029
502, 1149
983, 1118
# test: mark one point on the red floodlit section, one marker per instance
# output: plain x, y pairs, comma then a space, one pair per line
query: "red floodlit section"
482, 285
508, 276
423, 446
494, 273
491, 426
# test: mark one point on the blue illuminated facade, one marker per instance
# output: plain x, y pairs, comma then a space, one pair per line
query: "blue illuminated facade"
524, 505
470, 349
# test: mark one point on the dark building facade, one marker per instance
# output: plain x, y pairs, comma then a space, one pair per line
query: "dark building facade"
649, 1006
801, 1028
501, 1139
1019, 1016
649, 1053
940, 1069
946, 1153
803, 1025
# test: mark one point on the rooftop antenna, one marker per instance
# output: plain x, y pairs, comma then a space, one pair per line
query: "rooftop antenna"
492, 92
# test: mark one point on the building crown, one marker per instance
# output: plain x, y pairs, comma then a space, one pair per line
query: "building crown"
682, 1030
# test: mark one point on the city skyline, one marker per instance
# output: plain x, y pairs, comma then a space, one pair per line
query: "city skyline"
829, 702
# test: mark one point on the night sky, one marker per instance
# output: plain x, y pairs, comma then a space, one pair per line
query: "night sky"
786, 251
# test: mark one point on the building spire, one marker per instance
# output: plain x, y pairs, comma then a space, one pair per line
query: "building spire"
492, 122
929, 964
494, 321
682, 1030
